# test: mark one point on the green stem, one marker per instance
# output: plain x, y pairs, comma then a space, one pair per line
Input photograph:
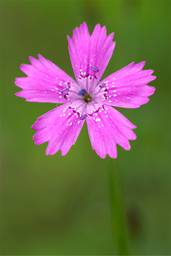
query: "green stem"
117, 213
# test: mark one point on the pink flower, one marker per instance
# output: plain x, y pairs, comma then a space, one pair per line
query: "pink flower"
87, 98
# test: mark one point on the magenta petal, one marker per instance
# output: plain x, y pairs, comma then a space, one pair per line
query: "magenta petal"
45, 82
106, 129
128, 87
90, 54
78, 47
59, 127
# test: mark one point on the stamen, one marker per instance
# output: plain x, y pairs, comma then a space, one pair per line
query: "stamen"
64, 92
82, 117
86, 96
94, 69
82, 92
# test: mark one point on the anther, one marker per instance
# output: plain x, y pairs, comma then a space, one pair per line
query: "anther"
94, 69
82, 92
86, 97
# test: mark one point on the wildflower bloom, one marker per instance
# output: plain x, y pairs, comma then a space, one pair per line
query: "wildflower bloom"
87, 98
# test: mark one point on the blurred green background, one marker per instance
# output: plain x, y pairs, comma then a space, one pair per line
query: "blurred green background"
55, 205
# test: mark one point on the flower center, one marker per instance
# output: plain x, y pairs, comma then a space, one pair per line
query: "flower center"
86, 96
